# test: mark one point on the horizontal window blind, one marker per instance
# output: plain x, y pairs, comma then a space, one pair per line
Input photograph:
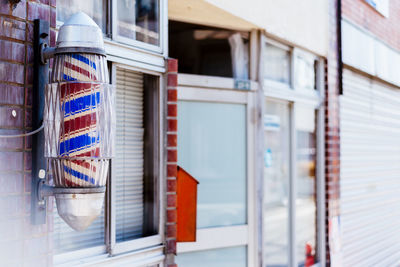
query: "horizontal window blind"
66, 239
128, 165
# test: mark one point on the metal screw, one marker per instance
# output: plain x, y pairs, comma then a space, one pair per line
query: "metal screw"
14, 113
42, 174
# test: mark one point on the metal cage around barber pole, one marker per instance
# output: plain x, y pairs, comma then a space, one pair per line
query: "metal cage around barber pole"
79, 129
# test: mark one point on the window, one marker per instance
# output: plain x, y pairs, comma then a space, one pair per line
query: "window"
306, 67
215, 147
209, 51
134, 22
139, 20
212, 148
277, 63
289, 68
134, 172
293, 173
130, 218
95, 9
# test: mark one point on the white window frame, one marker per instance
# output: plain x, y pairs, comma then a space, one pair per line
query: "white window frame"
292, 91
201, 88
150, 249
148, 59
127, 51
157, 239
286, 48
293, 95
162, 21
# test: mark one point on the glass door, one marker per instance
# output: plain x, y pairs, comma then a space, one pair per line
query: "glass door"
290, 206
276, 183
215, 137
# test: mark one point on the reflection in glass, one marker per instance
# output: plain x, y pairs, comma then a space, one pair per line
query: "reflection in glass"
277, 64
97, 10
306, 72
139, 20
212, 148
276, 183
306, 185
226, 257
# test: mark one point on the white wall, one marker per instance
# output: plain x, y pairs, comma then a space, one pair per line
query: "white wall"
301, 22
365, 52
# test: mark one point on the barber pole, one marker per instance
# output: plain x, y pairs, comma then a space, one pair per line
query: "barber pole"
82, 83
79, 121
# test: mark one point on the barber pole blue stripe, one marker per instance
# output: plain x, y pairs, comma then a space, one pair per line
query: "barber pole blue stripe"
81, 104
68, 78
77, 144
79, 175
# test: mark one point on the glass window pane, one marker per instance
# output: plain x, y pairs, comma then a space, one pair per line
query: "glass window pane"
139, 20
276, 183
225, 257
306, 72
212, 148
276, 64
306, 185
97, 10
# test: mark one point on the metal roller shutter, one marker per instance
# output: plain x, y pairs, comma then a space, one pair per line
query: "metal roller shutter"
370, 172
128, 167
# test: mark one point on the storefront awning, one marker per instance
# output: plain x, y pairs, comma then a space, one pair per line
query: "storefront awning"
204, 13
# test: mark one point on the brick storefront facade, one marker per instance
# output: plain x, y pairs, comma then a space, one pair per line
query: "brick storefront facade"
172, 159
21, 244
332, 126
362, 14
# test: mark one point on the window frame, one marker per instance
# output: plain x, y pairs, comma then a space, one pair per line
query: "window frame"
111, 35
292, 91
147, 60
125, 40
212, 89
115, 248
283, 47
294, 95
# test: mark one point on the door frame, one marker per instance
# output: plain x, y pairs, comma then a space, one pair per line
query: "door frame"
221, 90
292, 94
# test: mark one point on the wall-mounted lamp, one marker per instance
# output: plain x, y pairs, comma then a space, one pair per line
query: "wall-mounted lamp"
78, 121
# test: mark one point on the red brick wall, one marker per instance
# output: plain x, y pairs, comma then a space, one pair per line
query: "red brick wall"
362, 14
21, 243
172, 158
332, 130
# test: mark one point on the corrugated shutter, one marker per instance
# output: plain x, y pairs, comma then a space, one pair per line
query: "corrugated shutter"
128, 167
370, 172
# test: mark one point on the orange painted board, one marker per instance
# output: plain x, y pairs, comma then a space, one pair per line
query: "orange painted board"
186, 206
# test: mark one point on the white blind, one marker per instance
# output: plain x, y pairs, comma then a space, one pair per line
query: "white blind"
66, 239
128, 166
